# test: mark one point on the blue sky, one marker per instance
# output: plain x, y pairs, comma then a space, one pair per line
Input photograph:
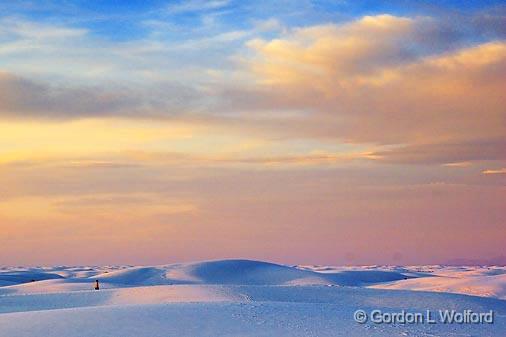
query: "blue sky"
126, 20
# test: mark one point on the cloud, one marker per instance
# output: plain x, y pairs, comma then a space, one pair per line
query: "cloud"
331, 51
285, 161
267, 25
458, 164
34, 31
69, 163
143, 159
414, 82
20, 97
169, 125
386, 80
362, 48
495, 171
458, 154
196, 6
99, 164
308, 159
136, 202
24, 98
315, 205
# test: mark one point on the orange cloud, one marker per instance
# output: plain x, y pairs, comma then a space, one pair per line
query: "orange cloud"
458, 164
326, 55
495, 171
378, 80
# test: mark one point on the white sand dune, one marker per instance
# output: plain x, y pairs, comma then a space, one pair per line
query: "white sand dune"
18, 277
487, 281
240, 298
242, 272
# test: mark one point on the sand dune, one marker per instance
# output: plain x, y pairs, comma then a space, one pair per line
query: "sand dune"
240, 298
18, 277
242, 272
490, 282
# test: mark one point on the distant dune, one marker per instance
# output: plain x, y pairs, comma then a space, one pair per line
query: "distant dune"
478, 281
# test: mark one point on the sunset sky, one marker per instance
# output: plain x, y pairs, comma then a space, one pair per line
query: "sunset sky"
323, 132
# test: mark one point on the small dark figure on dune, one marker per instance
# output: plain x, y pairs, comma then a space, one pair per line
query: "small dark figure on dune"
97, 287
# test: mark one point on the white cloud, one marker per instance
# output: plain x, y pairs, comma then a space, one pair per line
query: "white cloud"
268, 25
196, 6
37, 31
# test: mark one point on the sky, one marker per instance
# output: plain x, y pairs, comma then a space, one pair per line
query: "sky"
322, 132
